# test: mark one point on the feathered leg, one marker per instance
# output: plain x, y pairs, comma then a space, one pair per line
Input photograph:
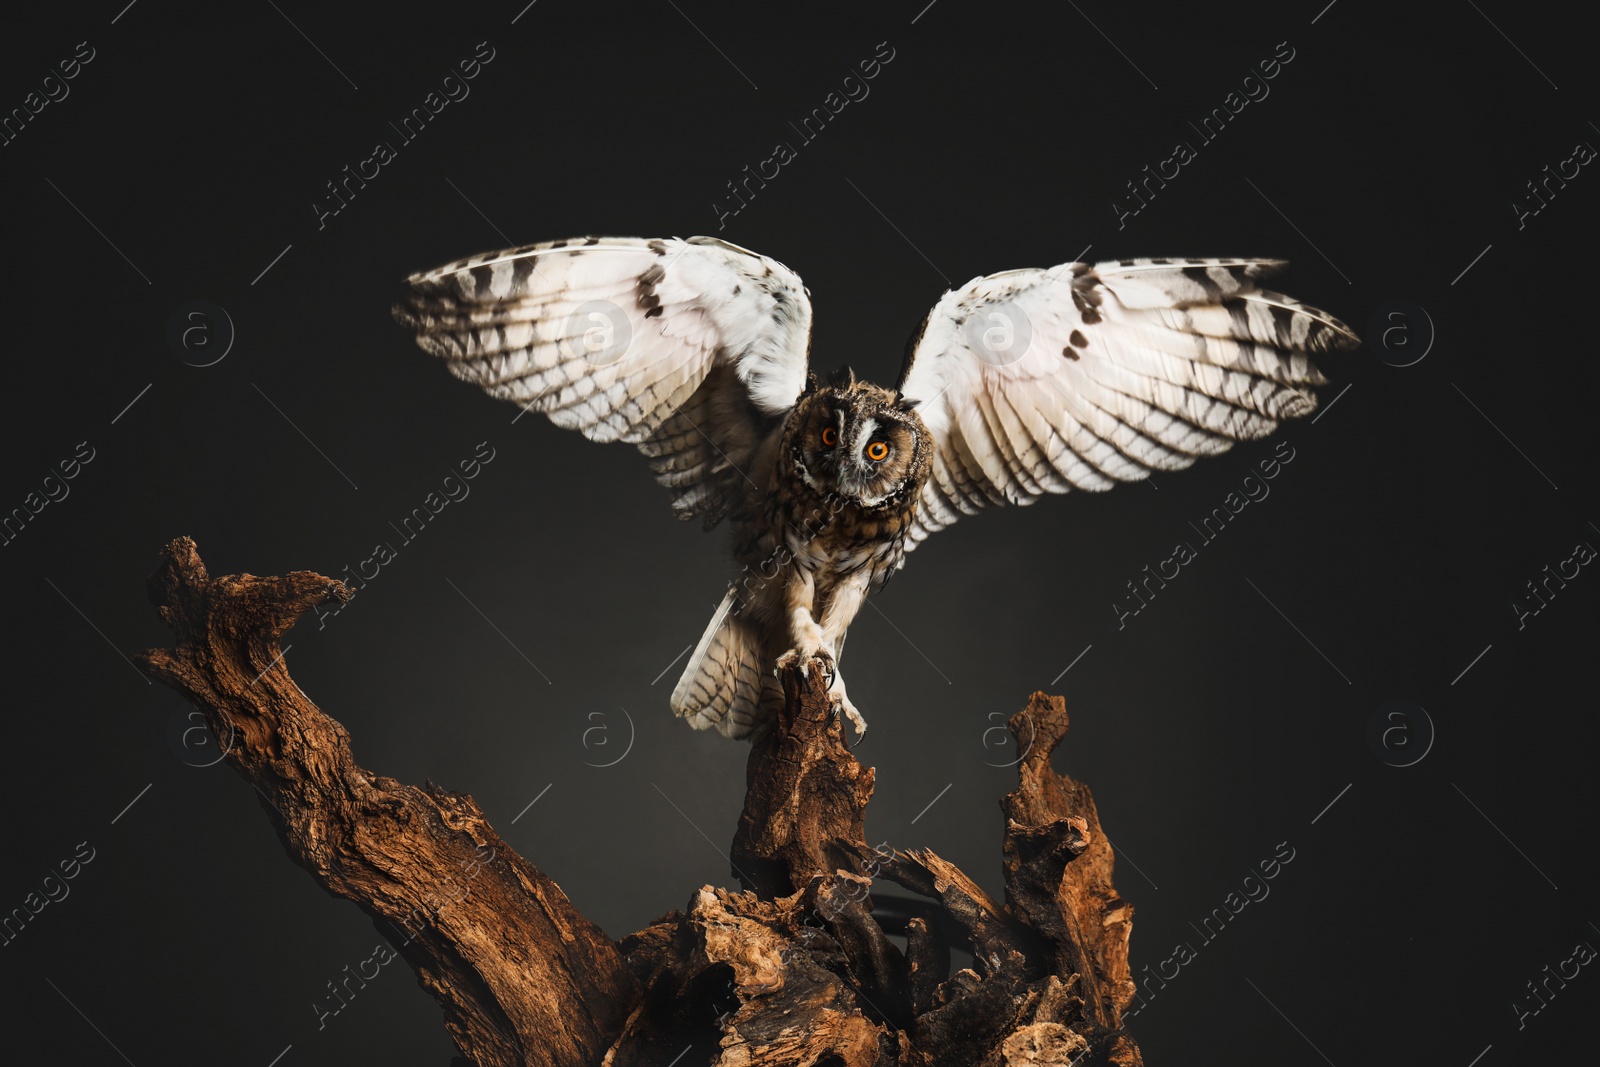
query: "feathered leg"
799, 597
845, 601
824, 641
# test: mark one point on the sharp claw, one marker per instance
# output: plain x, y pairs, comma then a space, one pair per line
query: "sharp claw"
860, 725
830, 666
841, 707
795, 659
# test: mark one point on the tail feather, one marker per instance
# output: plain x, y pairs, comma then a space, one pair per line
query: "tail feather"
723, 681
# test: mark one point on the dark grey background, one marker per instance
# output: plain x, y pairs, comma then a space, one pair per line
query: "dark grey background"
1213, 727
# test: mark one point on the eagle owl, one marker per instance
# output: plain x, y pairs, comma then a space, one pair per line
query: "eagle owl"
1018, 384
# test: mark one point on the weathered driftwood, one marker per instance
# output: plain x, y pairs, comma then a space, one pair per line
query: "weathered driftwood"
794, 970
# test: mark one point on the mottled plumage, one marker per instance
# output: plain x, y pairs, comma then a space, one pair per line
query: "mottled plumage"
1018, 384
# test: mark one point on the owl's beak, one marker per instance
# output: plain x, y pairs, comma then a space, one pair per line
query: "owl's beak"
853, 476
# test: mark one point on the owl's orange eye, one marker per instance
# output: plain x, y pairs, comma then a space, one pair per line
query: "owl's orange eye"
877, 451
830, 437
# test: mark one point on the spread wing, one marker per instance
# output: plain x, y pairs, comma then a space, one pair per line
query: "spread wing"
1080, 377
690, 349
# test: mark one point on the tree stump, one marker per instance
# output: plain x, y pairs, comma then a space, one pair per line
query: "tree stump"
793, 970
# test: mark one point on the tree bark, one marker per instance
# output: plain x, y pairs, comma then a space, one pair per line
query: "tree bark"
522, 976
794, 970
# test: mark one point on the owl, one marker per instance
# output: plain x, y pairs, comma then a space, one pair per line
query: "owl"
1018, 384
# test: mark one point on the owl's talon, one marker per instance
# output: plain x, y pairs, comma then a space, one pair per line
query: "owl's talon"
795, 658
842, 705
826, 659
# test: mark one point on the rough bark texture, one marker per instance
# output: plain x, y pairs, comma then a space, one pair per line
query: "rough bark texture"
793, 971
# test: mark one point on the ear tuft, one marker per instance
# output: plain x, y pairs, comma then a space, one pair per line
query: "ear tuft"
843, 378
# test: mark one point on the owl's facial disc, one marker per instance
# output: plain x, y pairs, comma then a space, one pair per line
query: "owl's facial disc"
856, 443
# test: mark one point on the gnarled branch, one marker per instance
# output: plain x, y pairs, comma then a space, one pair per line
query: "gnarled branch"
800, 969
522, 976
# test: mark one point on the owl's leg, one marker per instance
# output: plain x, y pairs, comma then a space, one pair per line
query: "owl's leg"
809, 642
841, 609
841, 703
845, 601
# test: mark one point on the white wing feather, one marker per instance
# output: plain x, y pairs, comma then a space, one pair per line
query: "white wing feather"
1079, 377
690, 349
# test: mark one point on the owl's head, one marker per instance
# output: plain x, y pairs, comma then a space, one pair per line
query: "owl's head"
864, 442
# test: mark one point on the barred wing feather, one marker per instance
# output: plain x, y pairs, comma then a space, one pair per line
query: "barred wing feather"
1081, 377
689, 349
